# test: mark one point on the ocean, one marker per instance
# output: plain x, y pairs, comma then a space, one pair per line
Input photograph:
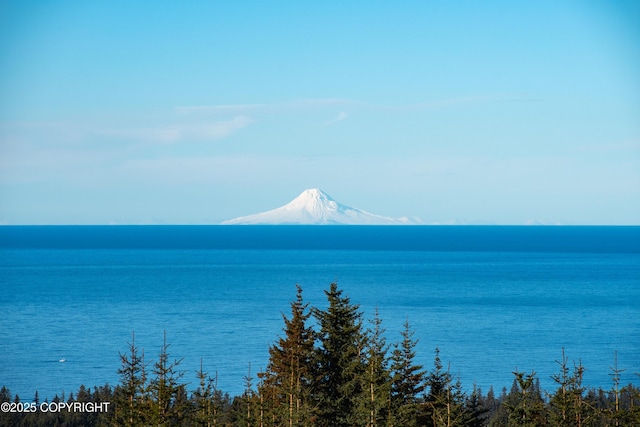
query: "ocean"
493, 299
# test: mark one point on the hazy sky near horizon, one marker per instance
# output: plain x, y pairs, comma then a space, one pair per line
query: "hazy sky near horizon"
195, 112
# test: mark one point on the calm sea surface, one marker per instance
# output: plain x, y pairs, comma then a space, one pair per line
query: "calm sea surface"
493, 299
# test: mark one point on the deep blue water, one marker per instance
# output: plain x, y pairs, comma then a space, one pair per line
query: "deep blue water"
493, 299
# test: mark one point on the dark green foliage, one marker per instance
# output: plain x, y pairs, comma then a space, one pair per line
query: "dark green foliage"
246, 406
478, 408
340, 361
208, 402
567, 406
7, 418
288, 380
445, 400
131, 400
620, 406
492, 404
408, 381
373, 404
526, 407
340, 375
168, 396
631, 399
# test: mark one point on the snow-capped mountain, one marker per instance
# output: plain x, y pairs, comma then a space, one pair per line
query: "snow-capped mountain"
314, 206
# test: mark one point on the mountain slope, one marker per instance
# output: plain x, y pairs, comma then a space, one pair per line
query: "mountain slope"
314, 206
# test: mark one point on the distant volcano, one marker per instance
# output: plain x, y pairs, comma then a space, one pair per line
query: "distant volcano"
314, 206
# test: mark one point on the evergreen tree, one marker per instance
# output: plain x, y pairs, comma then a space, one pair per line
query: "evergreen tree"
492, 404
130, 399
271, 407
622, 404
79, 417
527, 408
446, 398
567, 405
205, 409
289, 372
167, 393
350, 379
561, 402
339, 360
408, 381
181, 408
500, 415
7, 418
247, 406
633, 395
477, 407
104, 393
373, 404
5, 395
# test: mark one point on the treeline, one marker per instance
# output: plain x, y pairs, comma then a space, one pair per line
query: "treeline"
337, 371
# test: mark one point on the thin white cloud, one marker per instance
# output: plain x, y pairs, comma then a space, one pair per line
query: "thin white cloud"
46, 133
58, 134
306, 104
232, 169
66, 152
179, 132
277, 107
222, 109
443, 103
340, 117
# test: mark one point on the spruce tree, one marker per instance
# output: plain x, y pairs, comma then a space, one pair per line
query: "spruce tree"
477, 408
633, 394
567, 405
408, 381
247, 406
500, 413
7, 418
270, 401
166, 391
491, 403
339, 360
289, 372
621, 412
527, 407
561, 401
373, 403
131, 405
205, 408
446, 398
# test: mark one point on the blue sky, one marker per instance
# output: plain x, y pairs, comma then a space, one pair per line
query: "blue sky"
196, 112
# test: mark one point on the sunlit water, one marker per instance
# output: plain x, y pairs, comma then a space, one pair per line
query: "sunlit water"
489, 311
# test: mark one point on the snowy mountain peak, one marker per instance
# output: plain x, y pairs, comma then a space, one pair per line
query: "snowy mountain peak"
313, 194
313, 200
314, 206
